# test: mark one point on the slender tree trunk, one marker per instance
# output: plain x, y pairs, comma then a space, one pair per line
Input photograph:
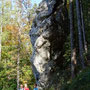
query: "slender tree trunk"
83, 27
18, 60
1, 29
19, 42
0, 38
73, 49
88, 13
80, 34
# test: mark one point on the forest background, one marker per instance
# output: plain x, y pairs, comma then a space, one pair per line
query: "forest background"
15, 48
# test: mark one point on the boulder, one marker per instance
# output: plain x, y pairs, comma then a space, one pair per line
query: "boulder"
48, 34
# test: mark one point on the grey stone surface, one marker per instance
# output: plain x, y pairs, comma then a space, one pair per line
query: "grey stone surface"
48, 34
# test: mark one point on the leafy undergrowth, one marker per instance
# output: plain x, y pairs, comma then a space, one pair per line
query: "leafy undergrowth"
81, 82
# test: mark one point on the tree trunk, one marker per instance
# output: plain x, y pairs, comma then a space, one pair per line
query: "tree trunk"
80, 34
18, 58
73, 49
19, 41
0, 39
1, 29
83, 27
18, 61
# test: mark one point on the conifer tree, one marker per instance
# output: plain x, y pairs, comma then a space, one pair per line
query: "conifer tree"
83, 27
80, 34
72, 37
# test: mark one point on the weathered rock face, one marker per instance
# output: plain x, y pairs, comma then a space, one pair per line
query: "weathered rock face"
48, 34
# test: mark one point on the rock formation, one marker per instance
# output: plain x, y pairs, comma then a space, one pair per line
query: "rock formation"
48, 34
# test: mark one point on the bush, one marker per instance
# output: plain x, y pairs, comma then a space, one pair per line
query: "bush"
82, 81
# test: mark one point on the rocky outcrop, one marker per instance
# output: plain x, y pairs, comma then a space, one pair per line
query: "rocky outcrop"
48, 34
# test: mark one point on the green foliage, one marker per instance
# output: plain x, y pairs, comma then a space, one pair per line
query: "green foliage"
67, 53
82, 81
9, 43
6, 81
